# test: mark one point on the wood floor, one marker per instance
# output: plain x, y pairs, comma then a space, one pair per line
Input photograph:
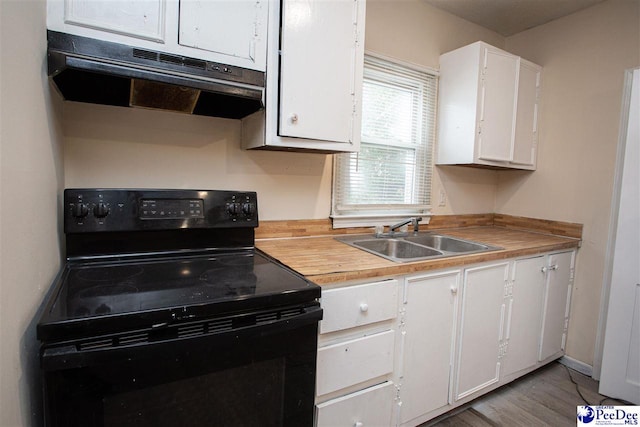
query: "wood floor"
546, 397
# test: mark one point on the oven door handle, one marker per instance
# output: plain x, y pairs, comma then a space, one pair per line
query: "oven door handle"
110, 350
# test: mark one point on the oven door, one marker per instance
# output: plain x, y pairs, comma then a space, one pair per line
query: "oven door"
249, 370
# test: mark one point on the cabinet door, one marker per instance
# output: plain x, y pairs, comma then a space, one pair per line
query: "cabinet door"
321, 69
525, 314
559, 272
526, 133
235, 28
497, 105
482, 328
426, 343
139, 19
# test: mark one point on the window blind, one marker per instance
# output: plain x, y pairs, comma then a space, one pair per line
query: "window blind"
391, 175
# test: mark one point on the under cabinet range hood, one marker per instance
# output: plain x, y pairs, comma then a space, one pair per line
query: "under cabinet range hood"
100, 72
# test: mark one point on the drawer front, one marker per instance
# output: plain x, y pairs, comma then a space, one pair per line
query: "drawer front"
353, 306
368, 407
352, 362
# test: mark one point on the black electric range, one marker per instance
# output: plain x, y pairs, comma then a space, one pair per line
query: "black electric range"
170, 278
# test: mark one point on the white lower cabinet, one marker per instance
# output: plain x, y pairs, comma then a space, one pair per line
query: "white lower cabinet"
353, 306
526, 304
354, 361
356, 350
482, 328
399, 352
559, 271
368, 407
428, 310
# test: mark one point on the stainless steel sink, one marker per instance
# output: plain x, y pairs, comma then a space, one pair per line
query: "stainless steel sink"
446, 243
415, 246
396, 249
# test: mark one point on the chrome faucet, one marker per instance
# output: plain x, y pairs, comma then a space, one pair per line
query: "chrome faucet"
413, 220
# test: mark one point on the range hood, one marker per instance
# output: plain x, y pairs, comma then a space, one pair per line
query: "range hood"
100, 72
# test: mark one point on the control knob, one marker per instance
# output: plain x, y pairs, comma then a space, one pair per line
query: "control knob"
248, 209
233, 208
100, 210
79, 210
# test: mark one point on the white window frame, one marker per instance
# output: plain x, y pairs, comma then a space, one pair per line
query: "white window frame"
385, 214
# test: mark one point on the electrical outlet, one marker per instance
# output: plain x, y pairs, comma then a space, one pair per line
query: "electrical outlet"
443, 198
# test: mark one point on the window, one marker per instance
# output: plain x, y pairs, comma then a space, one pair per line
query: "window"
391, 175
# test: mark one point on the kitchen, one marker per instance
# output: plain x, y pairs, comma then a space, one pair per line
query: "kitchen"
48, 145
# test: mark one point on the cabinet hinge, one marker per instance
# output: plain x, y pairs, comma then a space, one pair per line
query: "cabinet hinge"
502, 349
401, 315
508, 288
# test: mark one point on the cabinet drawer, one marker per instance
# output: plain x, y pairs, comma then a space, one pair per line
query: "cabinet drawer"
354, 361
353, 306
369, 407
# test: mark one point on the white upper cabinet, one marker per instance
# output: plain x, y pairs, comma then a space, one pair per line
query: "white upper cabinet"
488, 106
525, 140
233, 32
314, 78
143, 19
497, 105
317, 70
207, 25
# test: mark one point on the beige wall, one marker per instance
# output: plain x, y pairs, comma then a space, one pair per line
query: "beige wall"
113, 147
117, 147
30, 180
584, 57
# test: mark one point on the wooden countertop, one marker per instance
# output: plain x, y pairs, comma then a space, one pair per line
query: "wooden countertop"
325, 260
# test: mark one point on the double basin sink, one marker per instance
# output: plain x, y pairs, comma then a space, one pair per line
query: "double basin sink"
417, 246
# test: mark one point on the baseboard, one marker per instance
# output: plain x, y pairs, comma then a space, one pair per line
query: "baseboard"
577, 365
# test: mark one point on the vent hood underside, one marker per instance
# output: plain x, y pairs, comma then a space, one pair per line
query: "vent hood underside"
99, 72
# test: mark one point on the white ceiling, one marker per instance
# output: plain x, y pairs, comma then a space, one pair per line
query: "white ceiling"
508, 17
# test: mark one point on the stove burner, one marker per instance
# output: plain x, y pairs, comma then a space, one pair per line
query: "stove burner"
244, 260
230, 278
112, 274
107, 290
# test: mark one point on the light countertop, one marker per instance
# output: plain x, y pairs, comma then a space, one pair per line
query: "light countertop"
325, 260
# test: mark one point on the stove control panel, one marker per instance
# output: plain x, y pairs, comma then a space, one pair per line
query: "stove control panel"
102, 210
241, 207
171, 209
